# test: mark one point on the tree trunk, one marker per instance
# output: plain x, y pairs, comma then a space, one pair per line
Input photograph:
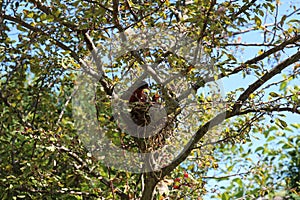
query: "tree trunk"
150, 183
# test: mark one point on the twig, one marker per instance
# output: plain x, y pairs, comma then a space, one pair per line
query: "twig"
145, 16
256, 59
227, 176
86, 68
65, 106
243, 9
265, 78
94, 174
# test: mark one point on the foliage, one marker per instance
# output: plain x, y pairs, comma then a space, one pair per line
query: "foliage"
254, 44
269, 170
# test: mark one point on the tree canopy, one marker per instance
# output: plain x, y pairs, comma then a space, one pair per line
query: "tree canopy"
215, 84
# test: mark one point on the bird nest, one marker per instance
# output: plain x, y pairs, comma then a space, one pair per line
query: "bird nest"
152, 131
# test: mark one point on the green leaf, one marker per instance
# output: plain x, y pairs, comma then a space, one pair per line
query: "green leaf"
282, 20
274, 94
259, 149
257, 21
239, 182
271, 138
191, 167
57, 13
43, 17
283, 123
239, 194
283, 86
254, 66
225, 196
30, 14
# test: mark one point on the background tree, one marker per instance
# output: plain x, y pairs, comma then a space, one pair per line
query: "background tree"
44, 43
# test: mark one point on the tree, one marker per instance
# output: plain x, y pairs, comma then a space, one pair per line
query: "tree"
44, 46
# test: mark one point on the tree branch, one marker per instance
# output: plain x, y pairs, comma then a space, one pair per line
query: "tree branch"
227, 114
257, 58
203, 29
265, 78
295, 109
99, 4
227, 176
115, 15
48, 11
243, 9
147, 15
95, 174
86, 68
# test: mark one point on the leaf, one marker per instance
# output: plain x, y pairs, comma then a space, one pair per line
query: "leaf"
251, 96
239, 194
283, 123
271, 138
294, 21
283, 86
43, 17
191, 167
259, 149
229, 169
21, 28
225, 196
239, 182
254, 66
57, 13
282, 20
257, 21
274, 94
30, 14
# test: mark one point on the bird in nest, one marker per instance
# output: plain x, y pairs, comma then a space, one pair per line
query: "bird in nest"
140, 104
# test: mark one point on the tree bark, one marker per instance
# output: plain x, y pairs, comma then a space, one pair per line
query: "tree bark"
150, 183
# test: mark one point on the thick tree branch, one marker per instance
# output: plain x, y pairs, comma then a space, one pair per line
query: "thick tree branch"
239, 132
264, 79
228, 114
116, 15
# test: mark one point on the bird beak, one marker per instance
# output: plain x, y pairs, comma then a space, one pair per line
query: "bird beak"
146, 91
